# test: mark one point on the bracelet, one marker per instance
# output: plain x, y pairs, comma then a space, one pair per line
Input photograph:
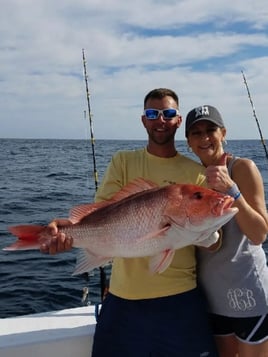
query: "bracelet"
237, 195
234, 192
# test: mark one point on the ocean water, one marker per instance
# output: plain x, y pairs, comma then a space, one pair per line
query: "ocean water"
41, 180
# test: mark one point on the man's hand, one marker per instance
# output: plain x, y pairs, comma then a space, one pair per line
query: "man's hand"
59, 241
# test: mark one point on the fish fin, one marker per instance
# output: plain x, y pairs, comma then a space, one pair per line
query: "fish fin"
28, 237
136, 186
160, 233
160, 262
78, 212
87, 261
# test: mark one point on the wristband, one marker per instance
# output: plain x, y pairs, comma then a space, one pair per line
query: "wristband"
234, 192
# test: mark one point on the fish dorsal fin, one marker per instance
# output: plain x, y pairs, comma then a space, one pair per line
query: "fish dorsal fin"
79, 212
138, 185
135, 186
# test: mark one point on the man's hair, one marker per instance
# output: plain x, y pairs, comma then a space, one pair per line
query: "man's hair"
160, 93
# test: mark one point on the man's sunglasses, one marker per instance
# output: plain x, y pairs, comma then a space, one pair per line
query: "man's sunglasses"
153, 114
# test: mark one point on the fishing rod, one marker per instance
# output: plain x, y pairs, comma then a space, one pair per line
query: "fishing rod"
255, 116
92, 139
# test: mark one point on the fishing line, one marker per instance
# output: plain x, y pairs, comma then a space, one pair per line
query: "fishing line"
103, 279
255, 116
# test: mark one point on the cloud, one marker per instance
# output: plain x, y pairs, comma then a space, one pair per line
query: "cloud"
196, 48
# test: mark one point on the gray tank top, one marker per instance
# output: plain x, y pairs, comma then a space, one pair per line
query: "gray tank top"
235, 278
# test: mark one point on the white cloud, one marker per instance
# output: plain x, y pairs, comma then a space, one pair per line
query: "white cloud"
197, 48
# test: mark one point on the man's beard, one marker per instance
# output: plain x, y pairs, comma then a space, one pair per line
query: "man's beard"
165, 139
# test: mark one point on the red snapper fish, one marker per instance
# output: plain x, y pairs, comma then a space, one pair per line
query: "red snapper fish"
142, 219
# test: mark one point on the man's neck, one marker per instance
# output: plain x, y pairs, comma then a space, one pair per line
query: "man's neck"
162, 150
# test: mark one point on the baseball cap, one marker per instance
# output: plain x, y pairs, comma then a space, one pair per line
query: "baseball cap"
204, 112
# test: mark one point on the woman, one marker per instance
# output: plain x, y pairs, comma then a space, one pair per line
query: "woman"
235, 275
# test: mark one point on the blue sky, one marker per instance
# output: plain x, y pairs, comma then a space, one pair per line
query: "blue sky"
195, 47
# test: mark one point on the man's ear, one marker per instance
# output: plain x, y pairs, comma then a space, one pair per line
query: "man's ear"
179, 121
143, 119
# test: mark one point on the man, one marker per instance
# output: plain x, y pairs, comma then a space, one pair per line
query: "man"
148, 314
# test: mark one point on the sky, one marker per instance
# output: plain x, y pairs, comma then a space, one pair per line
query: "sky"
198, 48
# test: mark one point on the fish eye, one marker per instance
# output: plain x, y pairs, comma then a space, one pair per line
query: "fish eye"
198, 195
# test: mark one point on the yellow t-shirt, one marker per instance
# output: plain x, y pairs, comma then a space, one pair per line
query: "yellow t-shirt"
130, 277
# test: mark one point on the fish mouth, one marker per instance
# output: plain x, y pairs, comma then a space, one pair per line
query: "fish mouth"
224, 205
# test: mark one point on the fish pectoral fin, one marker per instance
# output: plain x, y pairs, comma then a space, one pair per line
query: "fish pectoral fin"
160, 262
87, 261
160, 233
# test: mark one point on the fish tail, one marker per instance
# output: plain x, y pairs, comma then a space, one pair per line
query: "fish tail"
28, 236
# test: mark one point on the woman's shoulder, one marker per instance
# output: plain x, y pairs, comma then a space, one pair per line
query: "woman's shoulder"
245, 168
243, 163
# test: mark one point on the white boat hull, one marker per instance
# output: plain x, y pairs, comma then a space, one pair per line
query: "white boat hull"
64, 333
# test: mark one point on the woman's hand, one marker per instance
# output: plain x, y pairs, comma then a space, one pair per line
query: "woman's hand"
218, 176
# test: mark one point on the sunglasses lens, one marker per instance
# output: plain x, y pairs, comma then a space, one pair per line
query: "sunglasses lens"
151, 113
169, 113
